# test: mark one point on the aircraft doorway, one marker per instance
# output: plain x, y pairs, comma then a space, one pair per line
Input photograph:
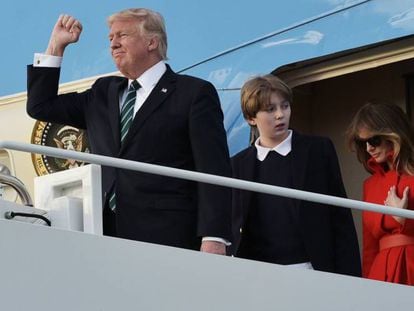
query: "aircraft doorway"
325, 100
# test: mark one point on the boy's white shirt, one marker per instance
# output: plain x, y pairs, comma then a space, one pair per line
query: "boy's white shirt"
283, 148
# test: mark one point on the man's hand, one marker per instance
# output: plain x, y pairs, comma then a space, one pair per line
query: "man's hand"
213, 247
394, 201
67, 30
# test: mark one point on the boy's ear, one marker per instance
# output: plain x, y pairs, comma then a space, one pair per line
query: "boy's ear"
251, 122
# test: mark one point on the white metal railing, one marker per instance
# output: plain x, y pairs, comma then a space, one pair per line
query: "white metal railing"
17, 185
205, 178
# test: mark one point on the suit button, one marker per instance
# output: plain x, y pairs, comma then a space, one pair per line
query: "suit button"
241, 230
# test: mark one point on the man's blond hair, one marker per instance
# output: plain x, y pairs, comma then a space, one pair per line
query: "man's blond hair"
149, 23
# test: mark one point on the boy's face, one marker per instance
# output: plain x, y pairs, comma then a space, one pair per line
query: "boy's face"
273, 123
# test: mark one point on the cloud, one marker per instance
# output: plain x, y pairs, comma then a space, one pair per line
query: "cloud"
310, 37
400, 13
339, 4
100, 65
404, 20
240, 78
219, 76
391, 7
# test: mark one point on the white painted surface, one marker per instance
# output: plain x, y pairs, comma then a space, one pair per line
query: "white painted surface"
7, 206
67, 213
59, 192
50, 269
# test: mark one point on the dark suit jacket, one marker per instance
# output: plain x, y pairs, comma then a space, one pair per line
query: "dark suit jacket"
328, 232
180, 125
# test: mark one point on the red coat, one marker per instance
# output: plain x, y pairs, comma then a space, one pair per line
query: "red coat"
394, 264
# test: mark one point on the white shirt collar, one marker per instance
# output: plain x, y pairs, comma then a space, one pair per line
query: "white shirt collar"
151, 76
283, 148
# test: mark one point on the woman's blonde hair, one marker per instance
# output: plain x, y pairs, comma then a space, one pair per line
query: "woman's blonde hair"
390, 122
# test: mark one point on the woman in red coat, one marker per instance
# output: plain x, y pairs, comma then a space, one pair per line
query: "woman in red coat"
383, 139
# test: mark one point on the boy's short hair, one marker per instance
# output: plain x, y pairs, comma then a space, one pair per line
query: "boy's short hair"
256, 93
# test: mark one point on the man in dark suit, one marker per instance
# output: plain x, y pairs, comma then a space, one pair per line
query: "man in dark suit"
281, 230
152, 115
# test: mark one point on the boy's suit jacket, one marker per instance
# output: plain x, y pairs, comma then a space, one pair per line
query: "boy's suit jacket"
180, 125
328, 232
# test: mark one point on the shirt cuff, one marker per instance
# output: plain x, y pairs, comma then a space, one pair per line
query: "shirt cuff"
44, 60
214, 239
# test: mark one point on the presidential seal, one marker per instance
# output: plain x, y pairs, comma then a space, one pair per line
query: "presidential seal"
60, 136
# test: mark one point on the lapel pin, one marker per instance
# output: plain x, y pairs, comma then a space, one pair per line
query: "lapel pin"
164, 90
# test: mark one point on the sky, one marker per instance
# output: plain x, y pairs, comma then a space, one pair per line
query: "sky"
197, 29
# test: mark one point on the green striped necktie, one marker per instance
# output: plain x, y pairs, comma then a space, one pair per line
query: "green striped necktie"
127, 115
127, 110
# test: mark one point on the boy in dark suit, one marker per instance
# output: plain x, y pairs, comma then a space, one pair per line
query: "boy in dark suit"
282, 230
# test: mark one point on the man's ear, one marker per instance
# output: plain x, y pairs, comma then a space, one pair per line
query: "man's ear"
152, 44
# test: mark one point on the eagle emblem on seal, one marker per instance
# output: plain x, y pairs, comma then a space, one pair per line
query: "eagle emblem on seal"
60, 136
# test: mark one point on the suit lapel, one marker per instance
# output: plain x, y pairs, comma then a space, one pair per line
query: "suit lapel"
300, 153
247, 172
159, 94
115, 89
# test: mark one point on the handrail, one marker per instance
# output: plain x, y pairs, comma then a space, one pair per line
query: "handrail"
19, 186
206, 178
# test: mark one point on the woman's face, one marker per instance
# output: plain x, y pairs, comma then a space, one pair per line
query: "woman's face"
378, 147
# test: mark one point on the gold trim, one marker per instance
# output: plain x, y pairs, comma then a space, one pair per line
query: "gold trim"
36, 138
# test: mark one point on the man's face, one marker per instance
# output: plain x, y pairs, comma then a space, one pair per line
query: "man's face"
130, 50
